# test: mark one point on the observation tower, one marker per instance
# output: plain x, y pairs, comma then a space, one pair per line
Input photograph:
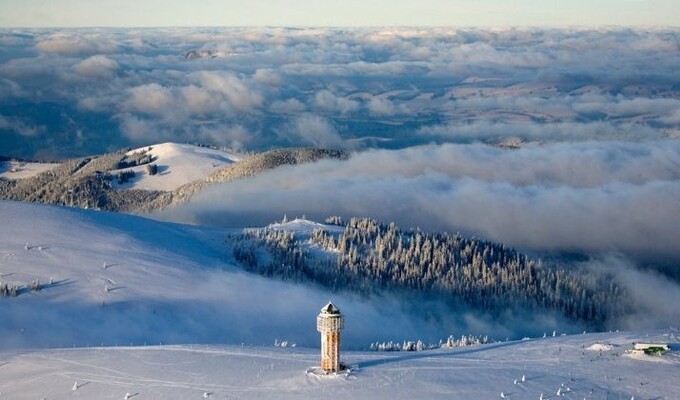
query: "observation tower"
329, 323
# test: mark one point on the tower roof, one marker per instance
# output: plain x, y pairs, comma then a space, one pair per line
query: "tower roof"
330, 309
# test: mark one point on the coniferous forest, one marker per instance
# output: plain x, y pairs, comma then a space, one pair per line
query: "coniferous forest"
370, 257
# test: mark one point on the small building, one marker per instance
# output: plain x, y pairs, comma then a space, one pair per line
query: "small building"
329, 323
650, 348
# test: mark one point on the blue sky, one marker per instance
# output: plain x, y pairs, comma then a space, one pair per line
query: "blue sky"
73, 13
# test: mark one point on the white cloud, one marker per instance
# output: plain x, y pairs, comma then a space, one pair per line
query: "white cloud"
96, 104
570, 197
537, 131
381, 107
287, 106
373, 86
655, 297
20, 126
312, 130
150, 99
235, 90
621, 106
328, 101
200, 100
139, 130
673, 119
84, 43
27, 70
10, 89
98, 66
267, 77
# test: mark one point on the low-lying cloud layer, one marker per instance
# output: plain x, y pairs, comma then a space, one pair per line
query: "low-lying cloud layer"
587, 197
99, 89
613, 202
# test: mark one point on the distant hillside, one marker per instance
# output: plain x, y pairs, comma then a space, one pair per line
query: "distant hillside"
98, 182
247, 167
81, 182
366, 256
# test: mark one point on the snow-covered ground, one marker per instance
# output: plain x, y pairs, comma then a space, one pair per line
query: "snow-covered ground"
514, 370
156, 310
304, 227
177, 164
121, 279
20, 170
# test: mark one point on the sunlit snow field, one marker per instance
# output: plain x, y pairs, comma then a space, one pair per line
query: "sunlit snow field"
516, 370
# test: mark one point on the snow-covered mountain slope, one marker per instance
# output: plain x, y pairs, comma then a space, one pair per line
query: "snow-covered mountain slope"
147, 179
129, 299
551, 368
121, 279
20, 169
247, 167
178, 164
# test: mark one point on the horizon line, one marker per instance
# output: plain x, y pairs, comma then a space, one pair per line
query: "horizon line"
490, 27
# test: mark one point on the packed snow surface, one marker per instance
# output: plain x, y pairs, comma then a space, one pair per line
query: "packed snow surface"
178, 164
519, 370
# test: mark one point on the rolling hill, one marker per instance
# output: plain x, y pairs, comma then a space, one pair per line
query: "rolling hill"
123, 180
